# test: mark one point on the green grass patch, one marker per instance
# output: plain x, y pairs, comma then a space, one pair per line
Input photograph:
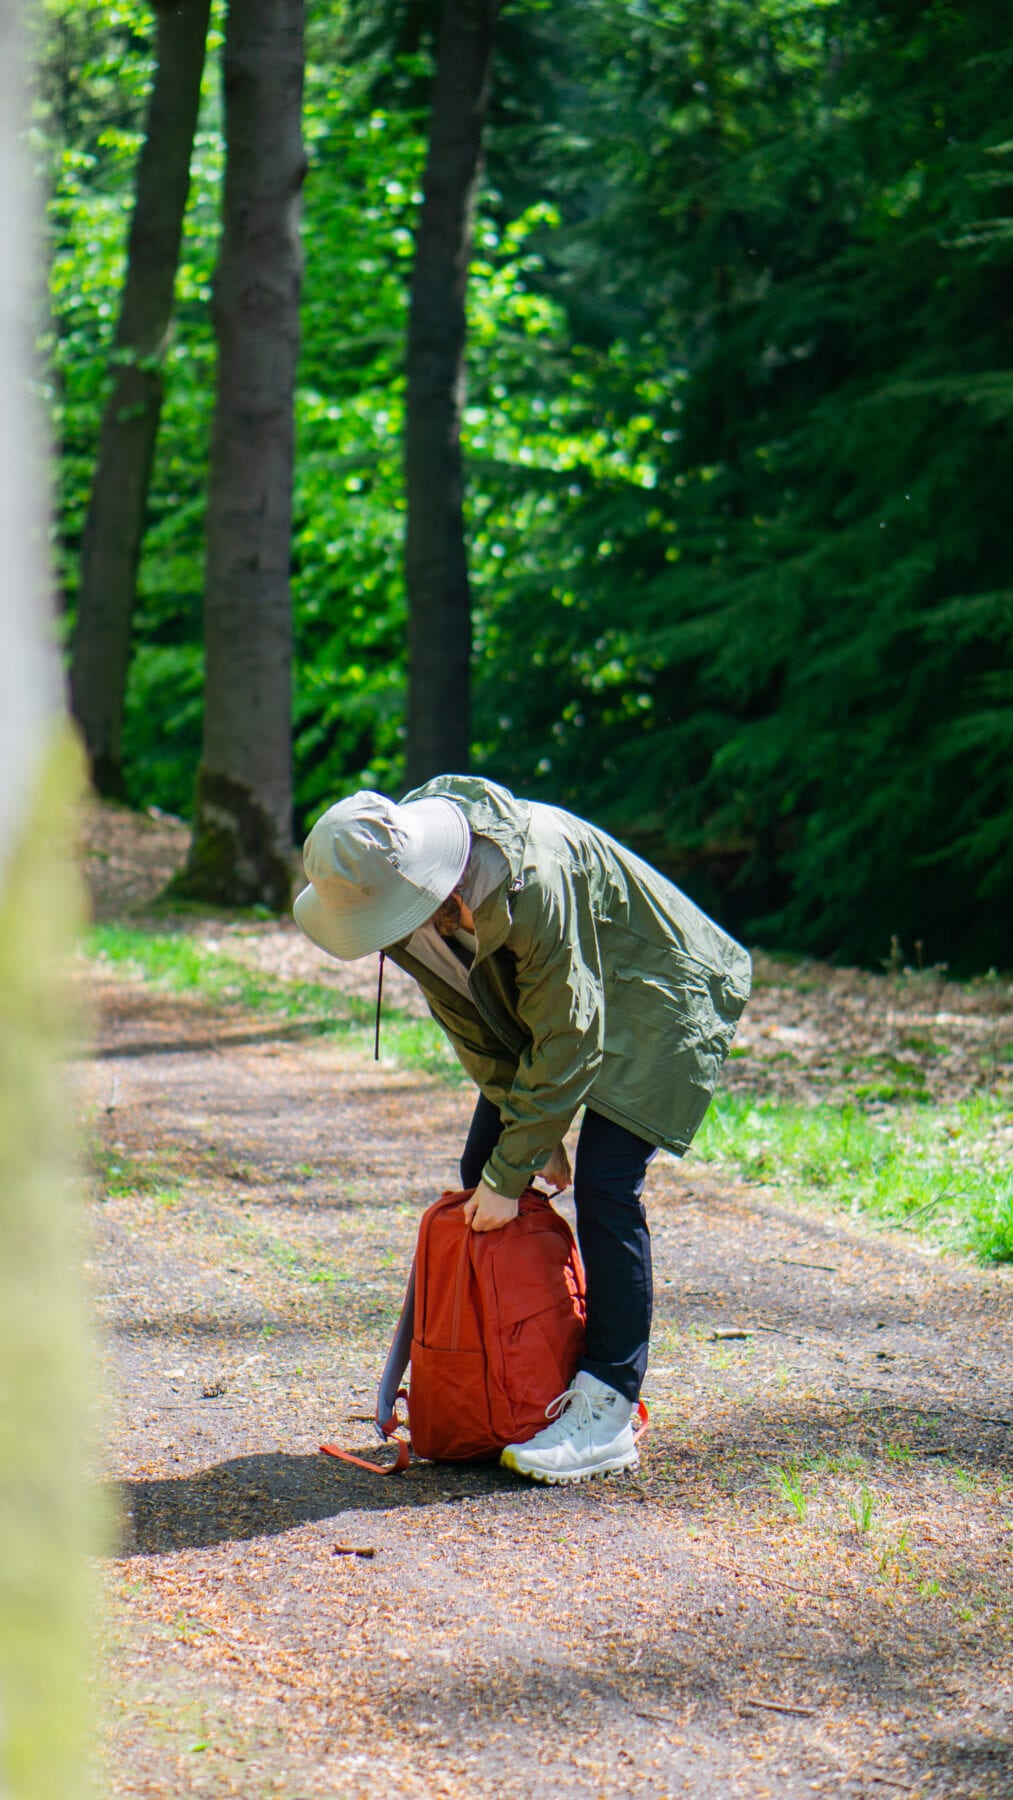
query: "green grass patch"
934, 1169
786, 1485
183, 964
119, 1176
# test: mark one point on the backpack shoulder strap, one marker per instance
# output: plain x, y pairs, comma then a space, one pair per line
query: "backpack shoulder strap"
398, 1358
389, 1392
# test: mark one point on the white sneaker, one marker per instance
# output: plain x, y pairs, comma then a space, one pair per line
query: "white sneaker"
591, 1434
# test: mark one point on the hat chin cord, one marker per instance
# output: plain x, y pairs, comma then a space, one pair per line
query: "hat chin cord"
379, 998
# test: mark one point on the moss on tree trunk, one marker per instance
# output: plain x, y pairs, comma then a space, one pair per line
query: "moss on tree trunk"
235, 858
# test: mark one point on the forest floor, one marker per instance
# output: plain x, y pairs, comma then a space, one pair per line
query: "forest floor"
806, 1590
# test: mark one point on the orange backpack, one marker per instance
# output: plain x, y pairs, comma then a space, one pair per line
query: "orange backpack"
493, 1326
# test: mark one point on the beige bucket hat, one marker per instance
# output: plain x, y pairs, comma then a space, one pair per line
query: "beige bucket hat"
378, 870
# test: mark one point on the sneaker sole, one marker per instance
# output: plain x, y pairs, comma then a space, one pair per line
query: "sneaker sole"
568, 1477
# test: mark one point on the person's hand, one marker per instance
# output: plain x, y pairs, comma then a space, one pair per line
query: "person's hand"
556, 1169
487, 1210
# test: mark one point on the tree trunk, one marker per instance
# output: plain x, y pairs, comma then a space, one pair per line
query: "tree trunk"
44, 1378
114, 527
436, 566
242, 821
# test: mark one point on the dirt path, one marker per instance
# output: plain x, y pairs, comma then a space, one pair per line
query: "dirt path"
686, 1633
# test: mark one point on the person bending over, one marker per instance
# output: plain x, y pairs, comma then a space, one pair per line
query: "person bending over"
567, 973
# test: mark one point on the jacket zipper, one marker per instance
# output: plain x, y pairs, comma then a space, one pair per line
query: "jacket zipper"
503, 1027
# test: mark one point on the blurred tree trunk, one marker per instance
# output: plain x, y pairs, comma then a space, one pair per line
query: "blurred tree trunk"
44, 1380
243, 804
115, 524
436, 566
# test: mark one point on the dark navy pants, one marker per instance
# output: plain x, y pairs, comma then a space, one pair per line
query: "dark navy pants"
608, 1180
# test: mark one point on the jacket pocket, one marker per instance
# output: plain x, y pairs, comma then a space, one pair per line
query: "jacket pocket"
663, 1056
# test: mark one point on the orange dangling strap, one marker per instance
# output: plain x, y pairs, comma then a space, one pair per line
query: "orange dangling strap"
386, 1430
397, 1467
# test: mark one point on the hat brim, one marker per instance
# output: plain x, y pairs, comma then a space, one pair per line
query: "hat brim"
372, 926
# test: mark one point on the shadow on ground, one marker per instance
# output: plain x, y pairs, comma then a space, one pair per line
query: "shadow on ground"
264, 1495
221, 1040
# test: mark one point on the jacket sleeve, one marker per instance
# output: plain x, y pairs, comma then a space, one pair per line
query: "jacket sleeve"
561, 1002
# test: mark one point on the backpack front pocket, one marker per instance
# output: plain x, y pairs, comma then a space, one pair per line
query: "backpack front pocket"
448, 1406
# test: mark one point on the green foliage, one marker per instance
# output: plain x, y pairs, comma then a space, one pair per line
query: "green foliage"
737, 432
361, 193
781, 657
91, 167
365, 165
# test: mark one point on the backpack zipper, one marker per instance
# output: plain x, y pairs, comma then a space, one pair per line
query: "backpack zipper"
463, 1260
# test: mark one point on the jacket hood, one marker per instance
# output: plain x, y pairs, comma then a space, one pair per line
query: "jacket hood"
491, 811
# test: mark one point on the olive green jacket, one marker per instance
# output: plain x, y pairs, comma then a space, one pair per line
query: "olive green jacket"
595, 982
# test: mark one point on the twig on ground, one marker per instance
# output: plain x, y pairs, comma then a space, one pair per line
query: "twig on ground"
905, 1224
189, 1405
354, 1550
772, 1581
794, 1263
784, 1706
927, 1408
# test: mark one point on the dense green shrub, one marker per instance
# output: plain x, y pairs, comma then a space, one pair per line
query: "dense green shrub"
738, 437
